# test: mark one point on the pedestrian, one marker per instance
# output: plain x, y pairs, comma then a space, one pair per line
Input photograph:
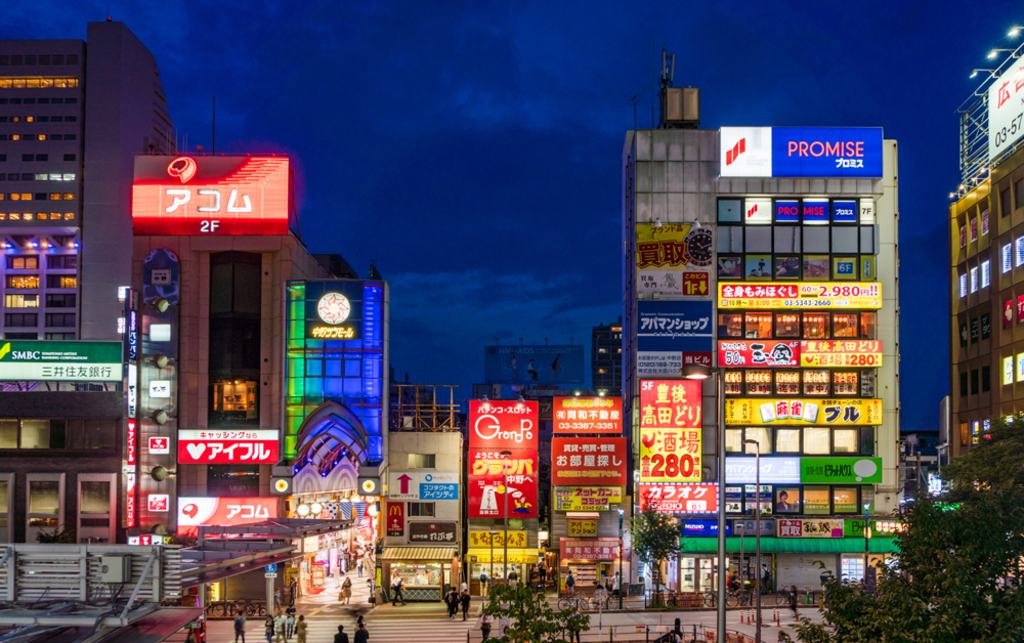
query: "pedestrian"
341, 637
346, 590
451, 599
268, 627
362, 636
485, 627
542, 574
280, 625
289, 625
396, 589
570, 584
513, 577
300, 629
793, 602
503, 625
293, 588
464, 600
574, 630
240, 627
359, 568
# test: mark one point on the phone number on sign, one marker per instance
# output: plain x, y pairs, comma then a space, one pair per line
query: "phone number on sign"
1010, 132
586, 426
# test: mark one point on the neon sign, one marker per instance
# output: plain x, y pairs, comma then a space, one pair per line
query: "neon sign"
211, 195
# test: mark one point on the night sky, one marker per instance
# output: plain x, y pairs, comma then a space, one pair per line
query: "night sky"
472, 150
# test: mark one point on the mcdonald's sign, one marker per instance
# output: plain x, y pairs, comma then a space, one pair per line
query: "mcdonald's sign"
396, 519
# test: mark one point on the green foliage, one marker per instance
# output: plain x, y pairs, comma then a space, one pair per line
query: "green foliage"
950, 582
531, 618
654, 536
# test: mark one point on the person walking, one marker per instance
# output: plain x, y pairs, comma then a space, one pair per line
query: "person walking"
268, 627
300, 629
793, 602
362, 635
570, 584
289, 625
280, 624
396, 589
240, 627
346, 590
464, 600
485, 627
542, 574
341, 637
451, 599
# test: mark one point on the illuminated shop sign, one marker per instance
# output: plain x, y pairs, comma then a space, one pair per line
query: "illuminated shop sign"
670, 455
196, 511
594, 549
503, 424
500, 478
841, 470
217, 195
333, 309
809, 295
673, 259
1006, 110
805, 411
787, 211
586, 498
758, 353
774, 470
814, 210
809, 528
57, 361
844, 211
841, 353
228, 446
800, 152
701, 527
587, 415
583, 461
683, 326
674, 498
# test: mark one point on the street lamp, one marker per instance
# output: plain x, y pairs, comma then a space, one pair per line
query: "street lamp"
867, 537
504, 479
700, 372
994, 53
757, 535
622, 552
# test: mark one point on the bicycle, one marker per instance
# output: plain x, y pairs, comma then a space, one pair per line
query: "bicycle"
571, 601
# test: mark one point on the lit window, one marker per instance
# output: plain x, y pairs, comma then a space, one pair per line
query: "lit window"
15, 137
974, 280
984, 222
40, 137
1008, 370
816, 441
1018, 252
963, 286
986, 273
422, 460
21, 301
1005, 258
22, 282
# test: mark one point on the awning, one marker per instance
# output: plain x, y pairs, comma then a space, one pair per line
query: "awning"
516, 555
774, 545
418, 553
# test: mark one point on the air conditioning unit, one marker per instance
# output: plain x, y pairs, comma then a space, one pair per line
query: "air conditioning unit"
115, 569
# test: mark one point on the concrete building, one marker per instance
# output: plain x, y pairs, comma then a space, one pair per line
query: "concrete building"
606, 358
73, 114
781, 272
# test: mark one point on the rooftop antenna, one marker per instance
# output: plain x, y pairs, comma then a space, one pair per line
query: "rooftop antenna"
668, 68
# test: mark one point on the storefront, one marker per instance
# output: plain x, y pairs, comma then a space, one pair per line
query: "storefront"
426, 572
591, 561
490, 564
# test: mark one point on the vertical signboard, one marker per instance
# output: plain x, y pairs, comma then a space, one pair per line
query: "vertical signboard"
673, 259
396, 519
671, 334
503, 459
129, 463
670, 430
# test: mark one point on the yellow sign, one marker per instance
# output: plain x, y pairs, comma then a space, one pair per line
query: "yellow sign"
803, 295
670, 455
807, 411
322, 331
582, 526
515, 556
841, 353
480, 538
668, 246
586, 498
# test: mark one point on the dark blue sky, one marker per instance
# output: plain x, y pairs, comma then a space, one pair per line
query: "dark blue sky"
472, 150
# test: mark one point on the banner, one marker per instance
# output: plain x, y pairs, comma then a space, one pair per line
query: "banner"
841, 470
587, 498
581, 527
196, 511
1006, 109
490, 472
673, 498
432, 532
396, 519
814, 528
668, 363
761, 353
588, 415
593, 549
670, 404
588, 461
228, 446
60, 361
670, 455
683, 326
503, 424
774, 470
673, 259
827, 295
848, 353
836, 412
482, 538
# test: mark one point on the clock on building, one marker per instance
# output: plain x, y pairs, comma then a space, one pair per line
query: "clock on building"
333, 308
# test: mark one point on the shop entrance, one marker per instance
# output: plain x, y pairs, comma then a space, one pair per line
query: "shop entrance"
697, 573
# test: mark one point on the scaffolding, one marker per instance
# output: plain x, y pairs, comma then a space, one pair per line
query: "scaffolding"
424, 407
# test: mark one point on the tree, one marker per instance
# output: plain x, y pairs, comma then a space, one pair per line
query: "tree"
531, 618
655, 536
955, 577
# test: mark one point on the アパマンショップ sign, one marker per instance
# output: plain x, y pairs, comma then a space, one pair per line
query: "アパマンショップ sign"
805, 295
587, 414
503, 424
232, 195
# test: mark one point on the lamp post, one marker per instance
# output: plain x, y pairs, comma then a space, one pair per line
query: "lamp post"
622, 553
491, 535
699, 372
757, 536
504, 486
867, 537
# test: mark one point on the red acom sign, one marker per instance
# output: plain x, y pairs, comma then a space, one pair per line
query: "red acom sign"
587, 415
232, 195
583, 462
503, 438
227, 446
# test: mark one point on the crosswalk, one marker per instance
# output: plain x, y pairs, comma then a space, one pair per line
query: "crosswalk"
322, 630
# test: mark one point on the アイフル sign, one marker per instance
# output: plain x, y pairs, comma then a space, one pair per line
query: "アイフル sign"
228, 446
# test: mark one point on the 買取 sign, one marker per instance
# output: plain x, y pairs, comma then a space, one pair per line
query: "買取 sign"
66, 361
800, 151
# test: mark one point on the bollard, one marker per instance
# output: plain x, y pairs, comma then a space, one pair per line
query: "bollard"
647, 634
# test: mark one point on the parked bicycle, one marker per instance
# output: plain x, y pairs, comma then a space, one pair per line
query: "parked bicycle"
743, 597
572, 601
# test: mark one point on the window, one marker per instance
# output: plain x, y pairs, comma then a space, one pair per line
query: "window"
816, 382
44, 503
758, 325
761, 435
235, 397
60, 300
730, 325
963, 384
421, 508
986, 325
868, 325
1004, 202
94, 497
758, 382
787, 500
70, 157
8, 434
730, 211
845, 325
1006, 260
845, 383
787, 440
1018, 252
974, 381
21, 319
1018, 193
974, 280
61, 281
986, 273
60, 319
22, 282
787, 325
817, 501
816, 441
986, 379
787, 382
845, 441
733, 440
984, 222
21, 301
422, 460
844, 500
816, 325
63, 262
963, 285
42, 434
23, 262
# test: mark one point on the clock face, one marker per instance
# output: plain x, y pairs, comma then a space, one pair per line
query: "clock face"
699, 246
333, 308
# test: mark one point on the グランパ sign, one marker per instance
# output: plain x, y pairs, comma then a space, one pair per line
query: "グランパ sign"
60, 361
810, 295
810, 411
492, 475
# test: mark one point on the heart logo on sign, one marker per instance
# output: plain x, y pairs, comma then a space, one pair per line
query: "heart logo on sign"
195, 449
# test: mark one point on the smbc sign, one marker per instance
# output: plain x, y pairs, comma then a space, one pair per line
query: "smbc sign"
65, 361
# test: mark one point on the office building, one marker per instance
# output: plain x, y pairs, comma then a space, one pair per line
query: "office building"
606, 358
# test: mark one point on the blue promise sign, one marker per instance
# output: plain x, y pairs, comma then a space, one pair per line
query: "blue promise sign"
827, 151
